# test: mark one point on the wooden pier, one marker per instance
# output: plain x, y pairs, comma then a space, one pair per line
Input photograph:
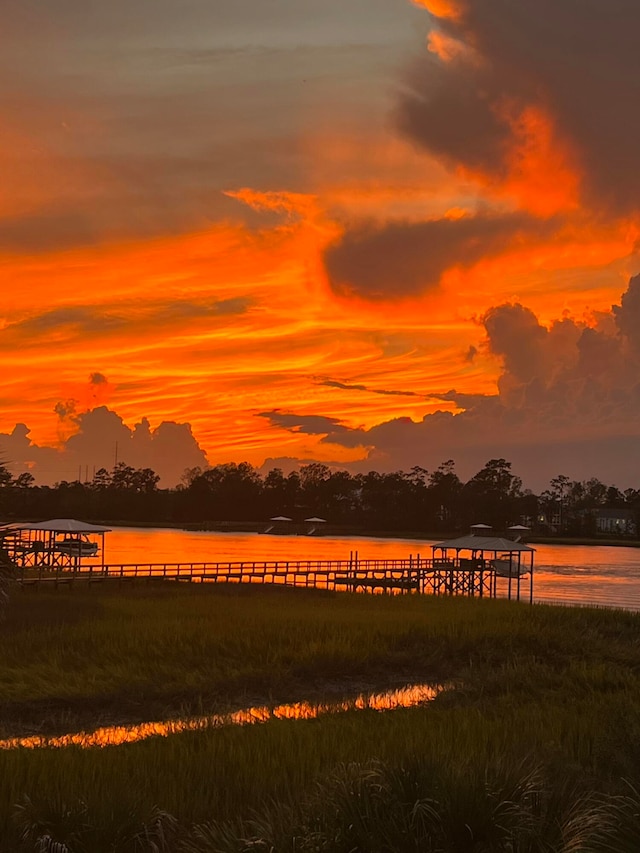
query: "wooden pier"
412, 575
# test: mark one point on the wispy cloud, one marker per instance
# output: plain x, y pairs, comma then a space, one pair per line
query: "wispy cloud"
345, 386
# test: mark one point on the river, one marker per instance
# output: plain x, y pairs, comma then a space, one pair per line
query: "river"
573, 574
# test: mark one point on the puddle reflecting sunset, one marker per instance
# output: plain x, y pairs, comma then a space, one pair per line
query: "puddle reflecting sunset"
404, 697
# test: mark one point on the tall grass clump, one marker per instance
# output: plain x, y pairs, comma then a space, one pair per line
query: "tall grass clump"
59, 827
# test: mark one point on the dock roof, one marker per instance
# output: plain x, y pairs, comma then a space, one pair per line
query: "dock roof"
61, 525
483, 543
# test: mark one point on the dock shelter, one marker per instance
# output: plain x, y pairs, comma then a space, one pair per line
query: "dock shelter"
60, 543
473, 565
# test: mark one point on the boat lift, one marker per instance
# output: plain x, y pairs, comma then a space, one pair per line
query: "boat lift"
61, 543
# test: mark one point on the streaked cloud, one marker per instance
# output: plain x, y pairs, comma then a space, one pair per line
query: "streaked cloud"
345, 386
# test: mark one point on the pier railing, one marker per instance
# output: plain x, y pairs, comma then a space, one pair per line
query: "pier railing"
414, 574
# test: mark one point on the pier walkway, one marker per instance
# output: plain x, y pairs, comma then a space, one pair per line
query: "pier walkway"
415, 574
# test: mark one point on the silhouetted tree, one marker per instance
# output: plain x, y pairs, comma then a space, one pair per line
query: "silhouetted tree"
491, 495
24, 481
404, 501
444, 488
227, 492
140, 480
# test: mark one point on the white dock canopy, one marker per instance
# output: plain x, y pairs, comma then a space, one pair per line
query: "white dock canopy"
62, 525
495, 544
53, 544
506, 558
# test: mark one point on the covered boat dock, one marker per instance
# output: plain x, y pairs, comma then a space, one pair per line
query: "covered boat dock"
476, 564
60, 543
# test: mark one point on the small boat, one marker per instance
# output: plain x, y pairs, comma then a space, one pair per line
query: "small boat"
506, 568
76, 546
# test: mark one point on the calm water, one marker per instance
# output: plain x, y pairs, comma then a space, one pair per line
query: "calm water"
578, 574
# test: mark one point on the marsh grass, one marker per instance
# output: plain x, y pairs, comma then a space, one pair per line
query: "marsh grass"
527, 754
467, 763
174, 649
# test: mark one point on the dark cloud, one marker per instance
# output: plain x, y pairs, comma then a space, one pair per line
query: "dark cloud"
334, 383
98, 379
538, 103
407, 258
332, 430
439, 102
307, 424
577, 60
627, 314
463, 401
233, 306
65, 409
516, 335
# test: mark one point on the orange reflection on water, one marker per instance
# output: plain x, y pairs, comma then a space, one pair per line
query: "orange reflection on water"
404, 697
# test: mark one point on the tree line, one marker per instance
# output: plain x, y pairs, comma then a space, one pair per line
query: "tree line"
416, 500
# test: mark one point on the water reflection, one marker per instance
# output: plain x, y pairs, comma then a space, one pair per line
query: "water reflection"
404, 697
571, 574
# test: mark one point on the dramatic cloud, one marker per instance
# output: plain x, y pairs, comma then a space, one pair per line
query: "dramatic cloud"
101, 439
533, 103
192, 193
576, 63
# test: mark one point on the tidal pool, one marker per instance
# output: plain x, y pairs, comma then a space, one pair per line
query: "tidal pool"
403, 697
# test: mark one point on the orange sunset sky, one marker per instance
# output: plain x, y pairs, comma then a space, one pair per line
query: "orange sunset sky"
373, 233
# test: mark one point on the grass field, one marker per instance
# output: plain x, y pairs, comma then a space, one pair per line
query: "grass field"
536, 747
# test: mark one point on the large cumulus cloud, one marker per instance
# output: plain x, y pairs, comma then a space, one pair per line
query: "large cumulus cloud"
534, 102
101, 438
576, 60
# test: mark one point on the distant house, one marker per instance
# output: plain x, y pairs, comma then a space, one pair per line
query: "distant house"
612, 520
550, 520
